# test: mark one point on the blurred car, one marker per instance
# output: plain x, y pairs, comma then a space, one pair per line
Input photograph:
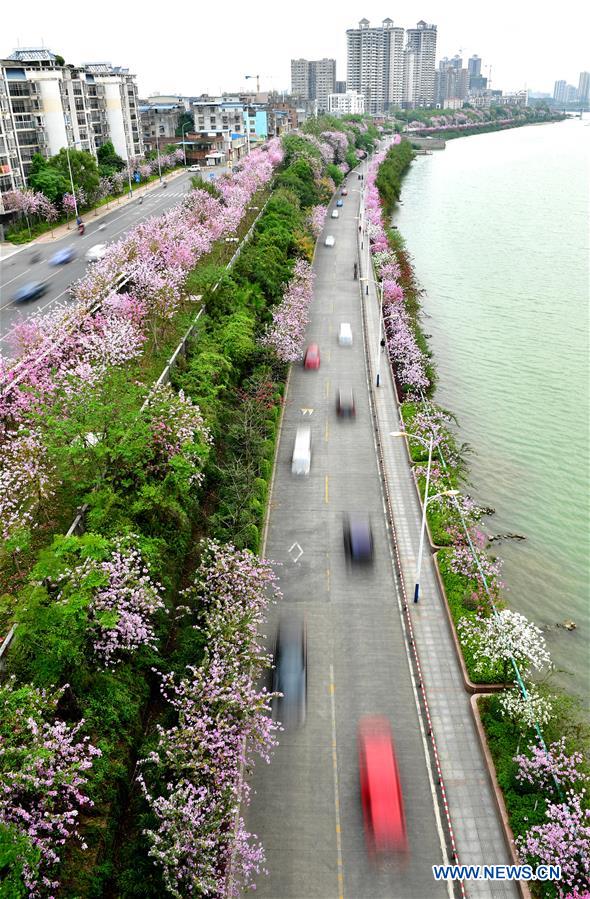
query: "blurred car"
301, 458
358, 539
329, 241
194, 168
290, 672
345, 407
63, 256
97, 252
339, 202
312, 356
344, 192
345, 334
31, 291
381, 792
334, 213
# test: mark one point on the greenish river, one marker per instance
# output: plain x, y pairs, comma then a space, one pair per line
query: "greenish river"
498, 227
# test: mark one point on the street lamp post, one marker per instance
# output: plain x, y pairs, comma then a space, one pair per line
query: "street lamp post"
72, 181
427, 499
184, 127
379, 345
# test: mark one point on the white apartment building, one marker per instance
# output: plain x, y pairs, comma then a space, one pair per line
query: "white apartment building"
46, 105
419, 66
375, 64
351, 102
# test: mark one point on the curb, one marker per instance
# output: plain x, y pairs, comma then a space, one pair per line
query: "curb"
497, 791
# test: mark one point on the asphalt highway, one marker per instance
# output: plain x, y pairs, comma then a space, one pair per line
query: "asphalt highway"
306, 806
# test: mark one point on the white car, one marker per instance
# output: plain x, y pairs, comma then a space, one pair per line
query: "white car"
329, 241
334, 213
194, 168
345, 334
96, 252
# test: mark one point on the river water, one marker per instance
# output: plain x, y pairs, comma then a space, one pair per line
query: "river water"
498, 227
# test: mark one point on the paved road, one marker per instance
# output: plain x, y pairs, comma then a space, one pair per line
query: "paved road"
17, 270
306, 809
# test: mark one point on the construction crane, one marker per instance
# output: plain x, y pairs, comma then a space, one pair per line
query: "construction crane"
247, 77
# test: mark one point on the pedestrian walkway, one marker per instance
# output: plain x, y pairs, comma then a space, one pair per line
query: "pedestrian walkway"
478, 833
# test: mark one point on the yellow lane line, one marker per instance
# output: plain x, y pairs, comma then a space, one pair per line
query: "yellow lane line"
326, 491
332, 690
327, 389
326, 432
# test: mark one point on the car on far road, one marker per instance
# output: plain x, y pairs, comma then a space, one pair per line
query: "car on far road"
381, 791
96, 253
344, 192
312, 356
329, 241
358, 539
334, 213
63, 256
339, 202
345, 334
345, 407
290, 672
194, 168
31, 291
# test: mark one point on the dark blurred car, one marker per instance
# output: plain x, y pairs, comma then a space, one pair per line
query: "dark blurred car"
63, 256
344, 192
290, 673
358, 539
381, 792
312, 356
345, 407
339, 202
31, 291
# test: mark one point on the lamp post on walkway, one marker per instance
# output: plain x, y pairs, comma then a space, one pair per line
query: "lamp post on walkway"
380, 343
184, 127
427, 499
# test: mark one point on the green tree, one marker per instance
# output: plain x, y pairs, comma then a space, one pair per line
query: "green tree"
184, 121
43, 177
108, 160
84, 169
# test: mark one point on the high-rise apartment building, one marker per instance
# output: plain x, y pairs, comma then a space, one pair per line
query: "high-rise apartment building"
564, 93
451, 83
46, 105
314, 79
419, 66
474, 67
584, 88
375, 64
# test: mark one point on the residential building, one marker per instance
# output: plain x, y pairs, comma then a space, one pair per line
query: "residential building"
474, 68
451, 84
47, 105
313, 79
478, 83
159, 123
564, 93
584, 88
218, 114
350, 102
375, 64
340, 87
419, 66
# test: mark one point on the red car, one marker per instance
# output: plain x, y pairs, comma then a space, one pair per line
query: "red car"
381, 792
312, 356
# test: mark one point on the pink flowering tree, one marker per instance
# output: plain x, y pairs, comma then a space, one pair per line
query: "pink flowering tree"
178, 430
317, 218
27, 484
44, 765
291, 317
192, 779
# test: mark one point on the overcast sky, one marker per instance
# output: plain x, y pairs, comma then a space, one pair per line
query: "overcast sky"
191, 48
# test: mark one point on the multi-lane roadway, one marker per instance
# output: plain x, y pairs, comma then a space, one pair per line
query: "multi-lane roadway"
18, 269
306, 808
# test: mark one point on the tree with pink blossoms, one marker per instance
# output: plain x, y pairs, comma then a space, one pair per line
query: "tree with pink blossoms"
290, 318
192, 779
44, 768
317, 218
27, 484
177, 428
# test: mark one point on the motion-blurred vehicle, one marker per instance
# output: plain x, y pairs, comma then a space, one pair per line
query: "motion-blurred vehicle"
290, 672
345, 407
301, 458
329, 241
339, 202
311, 358
96, 253
31, 291
334, 213
358, 539
381, 792
344, 192
345, 334
63, 256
